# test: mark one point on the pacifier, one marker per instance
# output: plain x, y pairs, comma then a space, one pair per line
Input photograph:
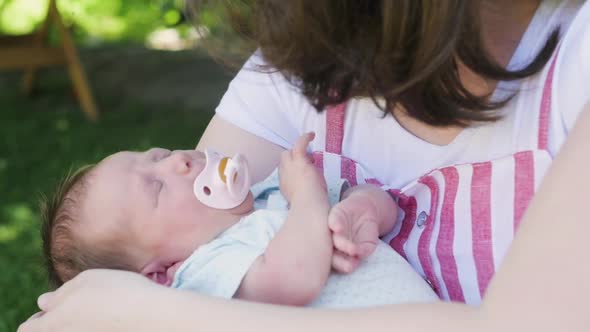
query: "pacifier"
224, 183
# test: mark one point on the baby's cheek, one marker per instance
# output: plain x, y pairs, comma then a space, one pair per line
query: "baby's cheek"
186, 203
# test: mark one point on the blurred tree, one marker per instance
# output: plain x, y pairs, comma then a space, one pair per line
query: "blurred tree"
110, 20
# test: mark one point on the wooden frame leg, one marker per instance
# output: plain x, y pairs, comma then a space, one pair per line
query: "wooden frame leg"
75, 69
38, 41
31, 52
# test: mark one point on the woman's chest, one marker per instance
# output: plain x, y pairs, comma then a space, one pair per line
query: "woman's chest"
460, 204
456, 223
396, 157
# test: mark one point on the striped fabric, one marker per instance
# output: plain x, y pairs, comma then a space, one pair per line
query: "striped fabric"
455, 223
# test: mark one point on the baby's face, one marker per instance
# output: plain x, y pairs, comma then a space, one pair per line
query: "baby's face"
147, 199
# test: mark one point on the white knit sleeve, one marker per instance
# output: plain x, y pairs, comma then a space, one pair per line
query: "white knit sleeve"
572, 81
264, 103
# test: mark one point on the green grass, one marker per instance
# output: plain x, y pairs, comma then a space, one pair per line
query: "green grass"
42, 138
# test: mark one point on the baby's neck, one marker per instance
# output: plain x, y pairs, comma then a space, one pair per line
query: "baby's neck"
232, 216
171, 255
245, 208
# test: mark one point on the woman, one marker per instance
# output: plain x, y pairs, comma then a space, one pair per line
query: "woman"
434, 68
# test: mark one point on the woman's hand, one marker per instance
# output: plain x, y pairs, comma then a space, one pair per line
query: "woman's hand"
98, 300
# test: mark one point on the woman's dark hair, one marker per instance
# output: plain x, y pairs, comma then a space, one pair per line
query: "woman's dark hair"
405, 51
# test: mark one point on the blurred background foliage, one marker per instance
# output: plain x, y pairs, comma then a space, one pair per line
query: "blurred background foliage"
97, 20
147, 94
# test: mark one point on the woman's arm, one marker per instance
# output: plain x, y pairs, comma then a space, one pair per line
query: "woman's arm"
543, 284
110, 300
263, 156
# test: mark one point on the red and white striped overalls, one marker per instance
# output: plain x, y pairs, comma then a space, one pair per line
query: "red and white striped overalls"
455, 223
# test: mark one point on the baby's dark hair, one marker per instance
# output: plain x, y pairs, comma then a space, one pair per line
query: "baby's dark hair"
64, 251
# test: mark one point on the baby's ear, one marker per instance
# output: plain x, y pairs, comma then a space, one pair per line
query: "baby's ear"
160, 278
157, 273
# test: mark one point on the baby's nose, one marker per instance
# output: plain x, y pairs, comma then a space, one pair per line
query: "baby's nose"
181, 162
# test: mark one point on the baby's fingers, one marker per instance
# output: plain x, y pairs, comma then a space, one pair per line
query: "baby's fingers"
367, 237
343, 263
338, 219
345, 245
300, 148
365, 249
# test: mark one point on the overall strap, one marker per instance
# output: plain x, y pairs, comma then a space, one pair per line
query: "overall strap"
347, 168
335, 127
545, 112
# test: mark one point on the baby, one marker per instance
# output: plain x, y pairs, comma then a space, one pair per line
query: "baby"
164, 214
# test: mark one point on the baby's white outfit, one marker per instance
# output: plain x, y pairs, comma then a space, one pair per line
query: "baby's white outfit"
218, 267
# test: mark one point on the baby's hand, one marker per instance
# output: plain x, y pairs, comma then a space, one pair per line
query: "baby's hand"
297, 173
355, 231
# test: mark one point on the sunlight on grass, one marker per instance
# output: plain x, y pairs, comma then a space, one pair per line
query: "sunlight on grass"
62, 124
20, 217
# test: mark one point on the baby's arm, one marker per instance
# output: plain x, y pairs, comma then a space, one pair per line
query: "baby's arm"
297, 262
370, 198
364, 213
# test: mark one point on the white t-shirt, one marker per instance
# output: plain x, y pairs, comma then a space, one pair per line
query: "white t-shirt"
268, 106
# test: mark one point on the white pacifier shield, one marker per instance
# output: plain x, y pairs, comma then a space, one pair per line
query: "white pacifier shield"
224, 183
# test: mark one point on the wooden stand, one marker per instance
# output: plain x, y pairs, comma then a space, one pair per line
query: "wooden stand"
30, 52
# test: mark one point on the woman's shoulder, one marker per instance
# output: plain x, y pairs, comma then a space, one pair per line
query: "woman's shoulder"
264, 102
572, 75
576, 38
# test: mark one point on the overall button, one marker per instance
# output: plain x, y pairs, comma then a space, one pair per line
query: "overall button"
422, 217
